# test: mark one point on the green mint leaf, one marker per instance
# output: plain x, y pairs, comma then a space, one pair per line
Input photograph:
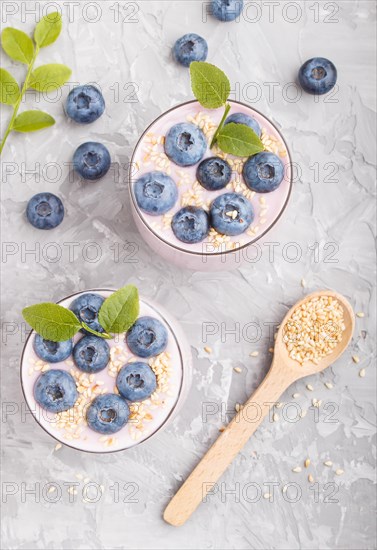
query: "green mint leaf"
209, 84
30, 121
9, 90
48, 29
239, 140
49, 77
18, 45
99, 334
120, 310
51, 321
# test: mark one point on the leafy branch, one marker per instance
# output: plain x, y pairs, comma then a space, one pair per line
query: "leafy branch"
211, 87
56, 323
20, 47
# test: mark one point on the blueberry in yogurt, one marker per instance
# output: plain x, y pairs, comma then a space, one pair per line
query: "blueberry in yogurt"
85, 104
45, 211
156, 193
190, 47
107, 413
147, 337
231, 214
263, 172
226, 10
185, 144
86, 308
241, 118
55, 390
136, 381
91, 160
52, 352
91, 354
318, 76
214, 173
190, 224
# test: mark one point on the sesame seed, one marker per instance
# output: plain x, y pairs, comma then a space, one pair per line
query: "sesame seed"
296, 470
360, 314
207, 349
310, 478
295, 395
58, 446
307, 463
356, 359
339, 472
254, 354
303, 283
266, 495
237, 369
309, 387
362, 373
275, 417
328, 463
328, 385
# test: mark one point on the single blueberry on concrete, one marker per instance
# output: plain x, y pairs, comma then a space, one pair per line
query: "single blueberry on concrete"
241, 118
91, 160
226, 10
231, 214
45, 211
156, 193
190, 47
85, 104
91, 354
214, 173
318, 76
185, 144
107, 413
136, 381
55, 390
190, 224
147, 337
52, 352
263, 172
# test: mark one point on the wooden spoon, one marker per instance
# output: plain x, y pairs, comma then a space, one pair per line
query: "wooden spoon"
283, 372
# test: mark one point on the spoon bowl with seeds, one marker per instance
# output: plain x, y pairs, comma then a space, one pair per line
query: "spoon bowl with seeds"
313, 334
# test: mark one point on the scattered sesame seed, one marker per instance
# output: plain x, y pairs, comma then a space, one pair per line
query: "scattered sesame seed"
207, 349
254, 354
329, 385
360, 314
328, 463
222, 428
285, 488
303, 283
295, 395
362, 373
303, 413
356, 359
296, 470
309, 387
275, 417
237, 369
339, 472
52, 489
58, 446
310, 478
266, 495
307, 463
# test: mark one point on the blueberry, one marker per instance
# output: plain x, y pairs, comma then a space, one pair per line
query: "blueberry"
55, 390
147, 337
214, 173
241, 118
190, 224
317, 76
86, 308
91, 354
85, 104
185, 144
107, 413
136, 381
52, 352
226, 10
91, 160
190, 47
231, 214
263, 172
156, 193
45, 211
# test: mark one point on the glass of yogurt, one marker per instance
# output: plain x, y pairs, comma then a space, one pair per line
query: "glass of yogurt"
216, 250
171, 371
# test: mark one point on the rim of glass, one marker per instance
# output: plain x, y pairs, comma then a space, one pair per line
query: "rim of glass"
32, 332
185, 250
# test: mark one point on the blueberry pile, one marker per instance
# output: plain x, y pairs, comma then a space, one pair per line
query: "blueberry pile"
55, 390
230, 213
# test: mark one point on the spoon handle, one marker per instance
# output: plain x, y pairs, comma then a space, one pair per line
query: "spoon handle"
226, 447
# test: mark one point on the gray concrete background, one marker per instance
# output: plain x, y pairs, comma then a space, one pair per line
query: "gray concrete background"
125, 48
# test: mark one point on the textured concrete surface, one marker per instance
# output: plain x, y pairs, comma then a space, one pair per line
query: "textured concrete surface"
125, 48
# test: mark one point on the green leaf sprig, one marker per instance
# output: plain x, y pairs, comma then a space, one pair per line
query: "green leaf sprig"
20, 47
57, 323
211, 87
